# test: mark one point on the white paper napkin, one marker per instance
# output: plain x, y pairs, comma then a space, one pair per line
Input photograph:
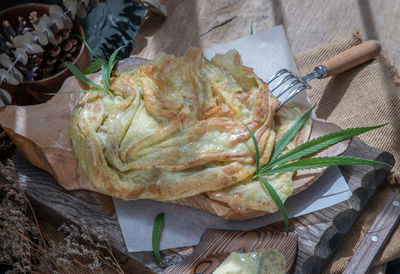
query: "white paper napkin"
266, 52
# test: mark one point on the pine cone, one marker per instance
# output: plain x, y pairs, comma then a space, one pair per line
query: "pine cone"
65, 51
47, 42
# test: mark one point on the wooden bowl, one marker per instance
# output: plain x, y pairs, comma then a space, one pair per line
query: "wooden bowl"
29, 93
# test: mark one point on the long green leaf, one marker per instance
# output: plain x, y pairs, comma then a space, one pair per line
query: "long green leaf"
76, 91
156, 237
82, 76
317, 162
112, 62
94, 66
104, 75
289, 135
254, 139
276, 199
87, 45
318, 144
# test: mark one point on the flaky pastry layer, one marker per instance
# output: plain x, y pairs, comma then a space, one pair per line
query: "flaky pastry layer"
174, 127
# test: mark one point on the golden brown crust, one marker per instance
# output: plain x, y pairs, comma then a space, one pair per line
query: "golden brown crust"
249, 198
174, 127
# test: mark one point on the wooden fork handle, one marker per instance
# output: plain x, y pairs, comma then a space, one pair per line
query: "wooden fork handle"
352, 57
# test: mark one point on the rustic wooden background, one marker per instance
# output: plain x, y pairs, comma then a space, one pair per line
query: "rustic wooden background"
307, 23
203, 23
319, 233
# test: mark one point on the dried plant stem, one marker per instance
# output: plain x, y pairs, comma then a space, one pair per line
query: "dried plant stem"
119, 269
37, 246
24, 248
32, 212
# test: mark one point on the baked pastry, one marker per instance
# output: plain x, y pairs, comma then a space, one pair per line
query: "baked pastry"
175, 128
250, 195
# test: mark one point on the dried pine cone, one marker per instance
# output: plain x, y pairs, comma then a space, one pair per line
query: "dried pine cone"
45, 41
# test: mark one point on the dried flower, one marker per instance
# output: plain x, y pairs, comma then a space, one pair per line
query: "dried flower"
24, 249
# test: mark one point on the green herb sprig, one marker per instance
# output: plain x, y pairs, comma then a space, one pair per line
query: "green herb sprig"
106, 67
292, 160
156, 237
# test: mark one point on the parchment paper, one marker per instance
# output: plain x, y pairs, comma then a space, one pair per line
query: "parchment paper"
266, 52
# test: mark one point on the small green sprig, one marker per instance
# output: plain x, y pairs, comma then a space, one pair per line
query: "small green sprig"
156, 237
292, 160
106, 70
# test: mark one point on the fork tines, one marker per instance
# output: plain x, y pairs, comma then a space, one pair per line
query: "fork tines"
286, 83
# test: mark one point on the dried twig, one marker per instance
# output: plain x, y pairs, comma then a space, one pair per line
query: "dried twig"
24, 248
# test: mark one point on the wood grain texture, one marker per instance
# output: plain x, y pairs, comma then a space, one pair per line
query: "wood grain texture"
216, 245
352, 57
310, 23
319, 233
336, 221
376, 237
307, 24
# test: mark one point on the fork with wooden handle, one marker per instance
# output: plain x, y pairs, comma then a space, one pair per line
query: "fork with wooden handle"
285, 85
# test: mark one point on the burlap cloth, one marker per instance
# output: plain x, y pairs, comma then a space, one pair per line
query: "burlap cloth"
364, 96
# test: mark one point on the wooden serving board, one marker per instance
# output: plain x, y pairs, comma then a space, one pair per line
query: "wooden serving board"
214, 248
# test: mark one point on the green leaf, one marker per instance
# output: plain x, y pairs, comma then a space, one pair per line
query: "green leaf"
61, 66
251, 29
87, 45
254, 139
289, 135
94, 66
276, 199
318, 144
82, 76
112, 62
76, 91
104, 75
317, 162
157, 229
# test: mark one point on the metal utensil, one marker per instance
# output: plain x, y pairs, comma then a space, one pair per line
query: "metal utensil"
285, 85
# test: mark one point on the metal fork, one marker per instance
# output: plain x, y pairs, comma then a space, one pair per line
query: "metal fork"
285, 85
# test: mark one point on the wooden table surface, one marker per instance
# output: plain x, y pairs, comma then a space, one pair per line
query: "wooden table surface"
307, 23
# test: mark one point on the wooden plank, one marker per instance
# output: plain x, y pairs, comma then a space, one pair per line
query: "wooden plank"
315, 231
310, 23
307, 24
376, 237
